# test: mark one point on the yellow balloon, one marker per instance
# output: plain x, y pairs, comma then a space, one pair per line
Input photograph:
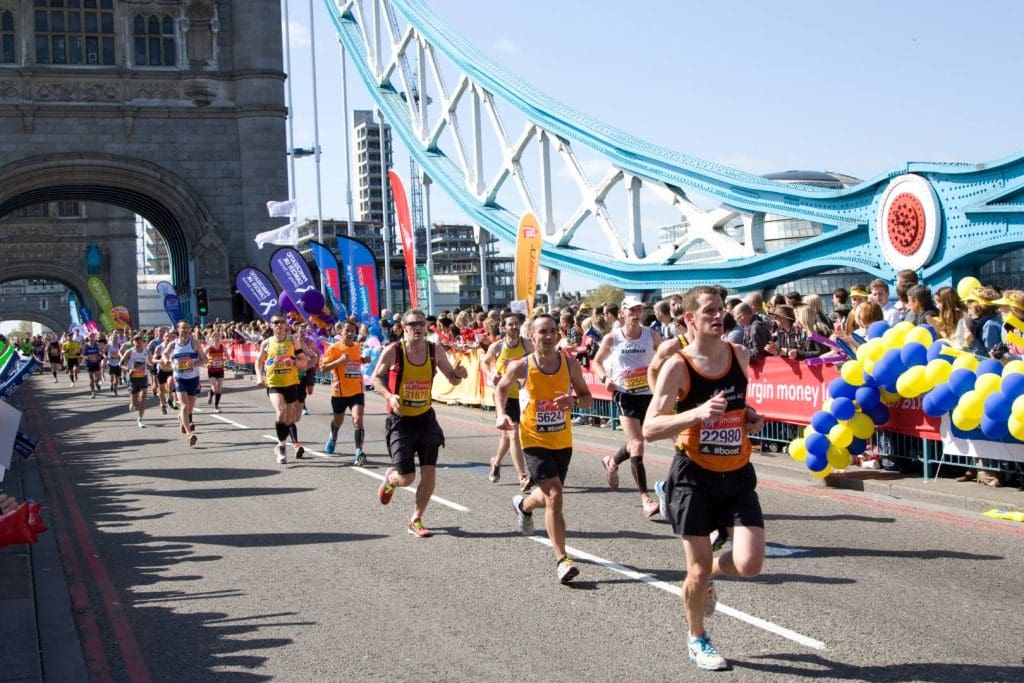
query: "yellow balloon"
798, 450
894, 337
838, 458
963, 422
824, 473
808, 430
913, 382
862, 426
841, 436
1014, 367
938, 371
888, 396
971, 405
967, 285
1016, 425
988, 384
872, 349
869, 366
826, 405
1018, 407
853, 372
966, 360
920, 336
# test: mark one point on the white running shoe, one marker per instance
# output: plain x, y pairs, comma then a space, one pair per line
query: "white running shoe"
567, 571
282, 458
704, 655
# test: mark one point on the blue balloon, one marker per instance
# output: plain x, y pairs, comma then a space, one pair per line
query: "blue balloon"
994, 429
913, 354
997, 406
879, 414
943, 398
857, 446
989, 366
822, 421
877, 329
961, 381
817, 444
1013, 385
867, 397
935, 350
843, 408
889, 368
840, 388
815, 462
928, 406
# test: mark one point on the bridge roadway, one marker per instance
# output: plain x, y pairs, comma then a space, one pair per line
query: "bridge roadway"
217, 564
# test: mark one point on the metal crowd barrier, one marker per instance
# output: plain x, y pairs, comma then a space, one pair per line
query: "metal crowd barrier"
599, 410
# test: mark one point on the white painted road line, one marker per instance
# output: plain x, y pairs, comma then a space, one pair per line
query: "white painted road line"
676, 590
230, 422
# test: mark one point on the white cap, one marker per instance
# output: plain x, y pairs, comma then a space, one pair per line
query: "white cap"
631, 302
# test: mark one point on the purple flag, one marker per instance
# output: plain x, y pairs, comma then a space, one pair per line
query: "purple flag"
256, 288
291, 271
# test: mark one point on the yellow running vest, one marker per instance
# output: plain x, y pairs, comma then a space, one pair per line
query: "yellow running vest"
543, 425
415, 382
280, 369
507, 355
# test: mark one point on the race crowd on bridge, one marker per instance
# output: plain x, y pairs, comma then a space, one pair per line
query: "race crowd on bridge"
677, 369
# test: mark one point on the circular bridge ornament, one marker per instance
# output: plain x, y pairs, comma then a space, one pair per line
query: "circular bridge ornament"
909, 222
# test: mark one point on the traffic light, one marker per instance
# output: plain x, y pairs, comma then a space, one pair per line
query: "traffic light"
201, 303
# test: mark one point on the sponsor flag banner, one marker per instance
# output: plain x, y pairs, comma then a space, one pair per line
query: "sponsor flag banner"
102, 296
86, 314
25, 444
527, 259
791, 391
287, 235
163, 288
405, 232
292, 273
285, 209
257, 289
121, 317
360, 270
22, 372
975, 444
172, 304
10, 418
76, 316
423, 282
330, 273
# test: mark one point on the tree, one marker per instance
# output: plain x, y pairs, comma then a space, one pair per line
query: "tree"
603, 294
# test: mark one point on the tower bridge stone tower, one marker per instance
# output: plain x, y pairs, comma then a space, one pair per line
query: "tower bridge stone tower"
171, 109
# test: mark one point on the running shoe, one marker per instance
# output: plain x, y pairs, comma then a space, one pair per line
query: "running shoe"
142, 425
163, 408
417, 529
567, 571
704, 655
719, 537
192, 438
305, 411
217, 411
659, 491
611, 471
92, 394
711, 601
386, 490
359, 458
329, 446
300, 452
651, 507
282, 459
525, 483
525, 519
495, 474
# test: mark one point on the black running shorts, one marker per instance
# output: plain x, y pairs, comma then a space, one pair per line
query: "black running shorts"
339, 404
512, 409
700, 501
409, 438
632, 405
290, 392
546, 463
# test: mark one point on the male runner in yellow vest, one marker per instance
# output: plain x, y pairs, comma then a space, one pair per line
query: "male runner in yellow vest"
403, 377
511, 347
700, 400
546, 400
277, 370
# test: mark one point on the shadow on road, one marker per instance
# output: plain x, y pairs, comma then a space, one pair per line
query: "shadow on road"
816, 666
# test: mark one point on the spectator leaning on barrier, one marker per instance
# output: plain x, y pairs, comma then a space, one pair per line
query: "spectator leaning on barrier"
756, 333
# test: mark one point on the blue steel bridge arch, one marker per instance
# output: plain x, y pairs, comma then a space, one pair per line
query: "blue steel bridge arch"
981, 205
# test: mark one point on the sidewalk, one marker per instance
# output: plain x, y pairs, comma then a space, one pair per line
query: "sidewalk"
37, 629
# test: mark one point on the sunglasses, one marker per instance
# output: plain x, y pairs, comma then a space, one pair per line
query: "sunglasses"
415, 324
277, 322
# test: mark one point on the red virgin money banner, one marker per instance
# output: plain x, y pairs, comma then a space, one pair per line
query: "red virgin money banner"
790, 391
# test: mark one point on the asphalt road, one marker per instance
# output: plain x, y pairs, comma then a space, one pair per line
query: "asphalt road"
215, 563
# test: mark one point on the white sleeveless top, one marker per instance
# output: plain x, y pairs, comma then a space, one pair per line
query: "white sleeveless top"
628, 361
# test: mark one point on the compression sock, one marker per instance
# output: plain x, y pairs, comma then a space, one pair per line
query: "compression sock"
639, 473
622, 455
216, 400
282, 431
359, 436
293, 430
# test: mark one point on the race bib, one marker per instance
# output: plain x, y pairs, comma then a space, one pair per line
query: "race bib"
138, 371
415, 394
282, 364
724, 437
353, 370
635, 379
184, 364
216, 364
550, 418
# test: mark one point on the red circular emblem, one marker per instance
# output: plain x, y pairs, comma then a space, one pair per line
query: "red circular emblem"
906, 223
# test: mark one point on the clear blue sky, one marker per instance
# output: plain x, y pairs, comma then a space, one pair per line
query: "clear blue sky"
857, 88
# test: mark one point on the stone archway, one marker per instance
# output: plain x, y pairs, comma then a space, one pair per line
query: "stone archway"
43, 319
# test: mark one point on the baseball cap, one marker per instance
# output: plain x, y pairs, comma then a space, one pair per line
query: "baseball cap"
631, 302
859, 291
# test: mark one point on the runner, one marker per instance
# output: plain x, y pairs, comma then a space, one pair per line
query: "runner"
404, 376
216, 354
54, 355
510, 347
113, 356
93, 353
276, 369
700, 399
39, 352
621, 364
546, 431
306, 360
344, 359
136, 359
70, 350
186, 355
164, 373
151, 347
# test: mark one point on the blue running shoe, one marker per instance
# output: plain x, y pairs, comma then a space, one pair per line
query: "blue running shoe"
359, 458
659, 491
329, 446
